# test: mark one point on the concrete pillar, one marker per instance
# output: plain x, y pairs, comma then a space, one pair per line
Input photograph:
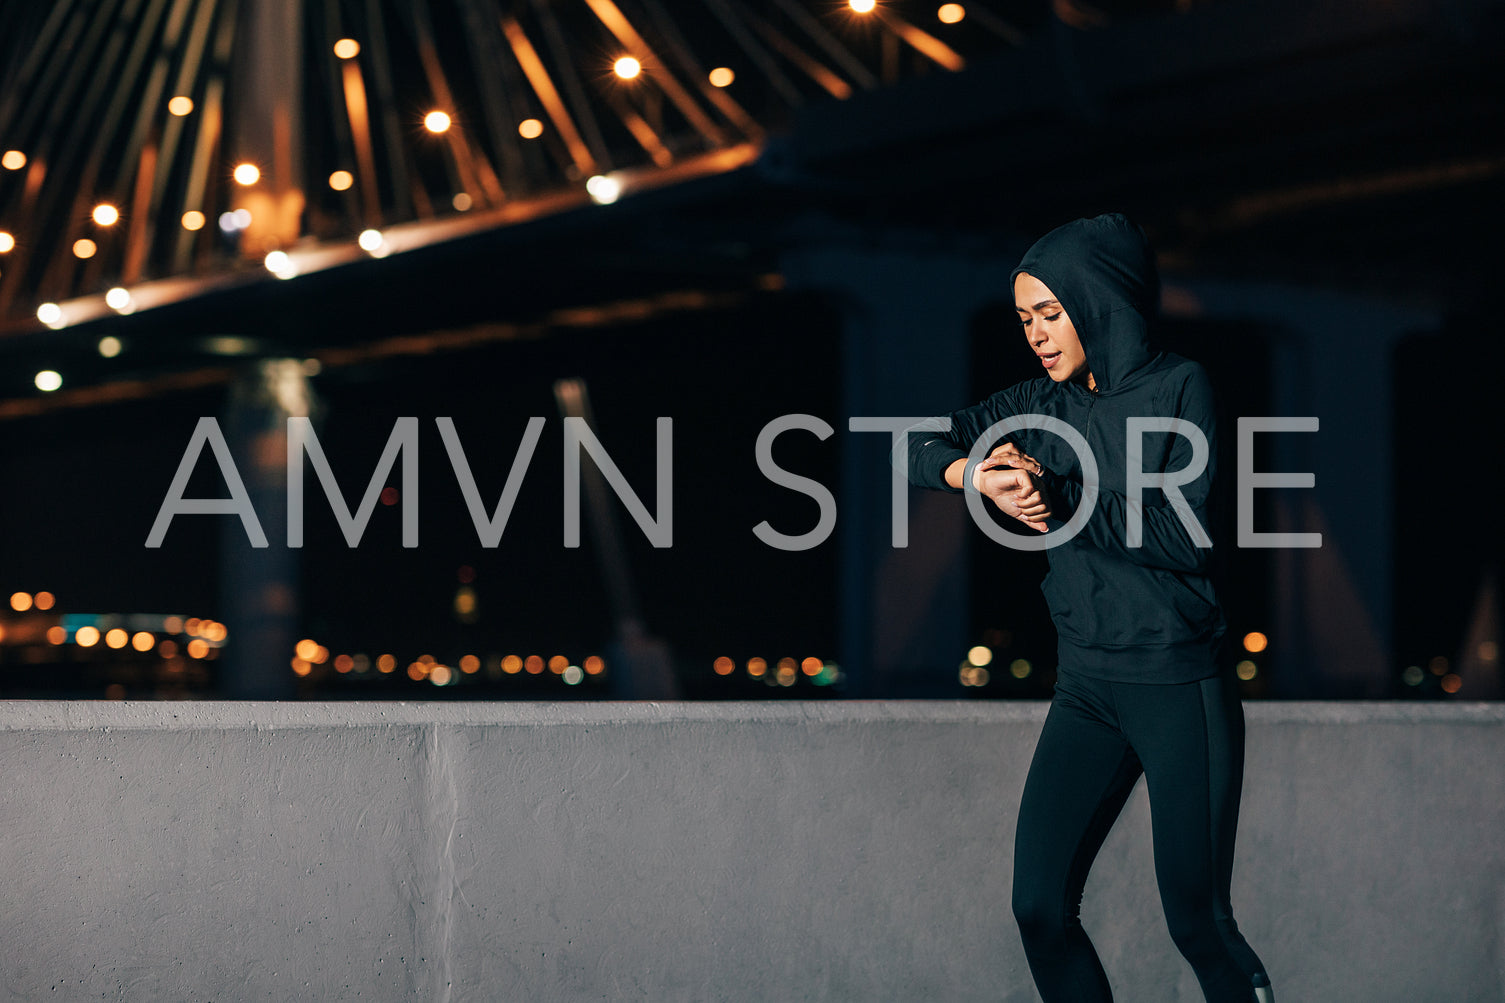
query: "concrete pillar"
1331, 358
905, 353
259, 585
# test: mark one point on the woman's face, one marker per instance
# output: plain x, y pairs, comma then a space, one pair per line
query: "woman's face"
1050, 332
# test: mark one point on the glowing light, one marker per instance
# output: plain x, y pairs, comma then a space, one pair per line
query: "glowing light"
306, 649
461, 202
168, 648
239, 219
465, 601
117, 638
57, 634
417, 671
320, 657
143, 641
530, 128
13, 160
106, 214
1413, 675
980, 655
594, 666
44, 600
603, 189
1246, 670
558, 664
757, 667
370, 240
118, 298
109, 346
787, 672
20, 601
951, 13
193, 220
279, 264
347, 48
1255, 642
341, 180
441, 675
86, 637
247, 174
180, 106
84, 248
533, 664
1452, 683
573, 675
812, 666
300, 666
470, 664
724, 666
48, 380
51, 314
722, 76
436, 122
386, 664
1020, 668
7, 242
512, 665
862, 6
192, 626
1438, 665
627, 67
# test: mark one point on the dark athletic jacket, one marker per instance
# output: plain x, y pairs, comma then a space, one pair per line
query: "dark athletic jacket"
1132, 614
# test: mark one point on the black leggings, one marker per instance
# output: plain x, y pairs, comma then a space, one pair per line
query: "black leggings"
1188, 741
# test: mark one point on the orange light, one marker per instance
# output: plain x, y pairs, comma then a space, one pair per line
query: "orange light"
512, 665
627, 67
44, 600
343, 663
862, 6
168, 648
117, 638
347, 48
86, 637
436, 122
306, 649
534, 664
341, 180
193, 220
300, 666
441, 675
1452, 683
57, 634
594, 665
951, 13
417, 671
558, 664
7, 242
192, 626
198, 648
143, 641
812, 666
386, 664
470, 664
84, 248
530, 128
724, 666
247, 174
722, 76
13, 160
1255, 642
20, 601
180, 106
106, 214
757, 667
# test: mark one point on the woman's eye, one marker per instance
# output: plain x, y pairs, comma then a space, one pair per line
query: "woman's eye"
1054, 317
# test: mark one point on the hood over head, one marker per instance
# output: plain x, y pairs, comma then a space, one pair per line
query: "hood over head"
1103, 273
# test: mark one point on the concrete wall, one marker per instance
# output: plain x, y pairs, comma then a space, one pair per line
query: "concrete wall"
768, 852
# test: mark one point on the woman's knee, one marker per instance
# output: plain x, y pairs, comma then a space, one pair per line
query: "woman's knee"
1041, 916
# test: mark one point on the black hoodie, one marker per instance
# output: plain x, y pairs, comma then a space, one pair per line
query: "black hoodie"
1133, 614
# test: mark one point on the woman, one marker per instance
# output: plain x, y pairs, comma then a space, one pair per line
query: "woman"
1138, 689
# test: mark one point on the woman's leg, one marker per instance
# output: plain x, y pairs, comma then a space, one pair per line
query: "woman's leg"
1190, 738
1081, 775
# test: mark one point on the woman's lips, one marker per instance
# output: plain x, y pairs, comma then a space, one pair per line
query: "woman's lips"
1049, 360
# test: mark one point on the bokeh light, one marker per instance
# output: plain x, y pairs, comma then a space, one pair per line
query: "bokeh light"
247, 174
341, 180
180, 106
530, 128
627, 68
436, 122
347, 48
950, 13
722, 76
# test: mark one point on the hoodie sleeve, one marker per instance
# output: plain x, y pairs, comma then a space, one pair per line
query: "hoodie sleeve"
1166, 542
936, 443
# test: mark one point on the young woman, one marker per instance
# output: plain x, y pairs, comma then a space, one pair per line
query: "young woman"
1138, 689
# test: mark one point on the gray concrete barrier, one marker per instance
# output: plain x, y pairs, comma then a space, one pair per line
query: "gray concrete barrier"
760, 852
